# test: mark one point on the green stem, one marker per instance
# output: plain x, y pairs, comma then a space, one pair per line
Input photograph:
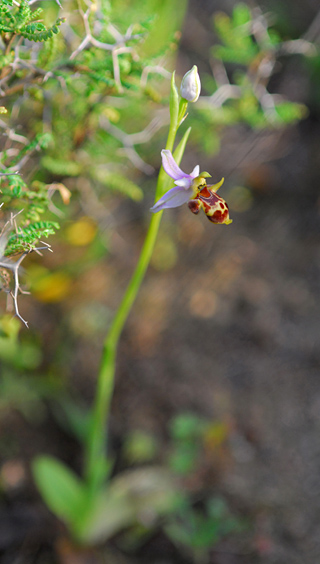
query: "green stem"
96, 441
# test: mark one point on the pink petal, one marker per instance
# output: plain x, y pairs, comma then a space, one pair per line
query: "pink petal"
195, 172
174, 198
170, 165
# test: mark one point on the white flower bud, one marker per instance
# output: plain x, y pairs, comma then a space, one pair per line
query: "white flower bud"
190, 85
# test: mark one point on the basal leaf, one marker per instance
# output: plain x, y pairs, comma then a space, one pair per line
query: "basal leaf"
60, 488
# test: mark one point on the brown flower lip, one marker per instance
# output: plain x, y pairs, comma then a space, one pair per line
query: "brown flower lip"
215, 207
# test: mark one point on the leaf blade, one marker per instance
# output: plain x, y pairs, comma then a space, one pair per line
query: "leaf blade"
60, 488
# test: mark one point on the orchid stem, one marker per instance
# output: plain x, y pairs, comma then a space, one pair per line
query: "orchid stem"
95, 454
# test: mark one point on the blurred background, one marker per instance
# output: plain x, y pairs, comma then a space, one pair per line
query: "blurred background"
218, 367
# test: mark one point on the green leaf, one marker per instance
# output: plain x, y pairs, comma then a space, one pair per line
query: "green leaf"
289, 112
241, 14
60, 488
16, 191
179, 151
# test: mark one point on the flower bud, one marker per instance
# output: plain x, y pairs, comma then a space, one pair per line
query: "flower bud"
190, 85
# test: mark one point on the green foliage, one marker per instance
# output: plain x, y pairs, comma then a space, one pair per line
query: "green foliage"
27, 237
76, 83
20, 21
199, 529
61, 489
248, 52
235, 33
289, 112
30, 205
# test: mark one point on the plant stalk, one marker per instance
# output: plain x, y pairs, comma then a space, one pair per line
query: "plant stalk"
97, 436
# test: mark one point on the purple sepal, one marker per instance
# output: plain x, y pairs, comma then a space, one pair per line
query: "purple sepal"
174, 198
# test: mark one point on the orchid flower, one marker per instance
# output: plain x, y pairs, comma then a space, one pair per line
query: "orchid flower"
192, 188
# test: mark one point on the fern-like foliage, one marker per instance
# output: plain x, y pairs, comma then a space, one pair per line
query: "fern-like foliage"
25, 203
64, 83
21, 20
26, 238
